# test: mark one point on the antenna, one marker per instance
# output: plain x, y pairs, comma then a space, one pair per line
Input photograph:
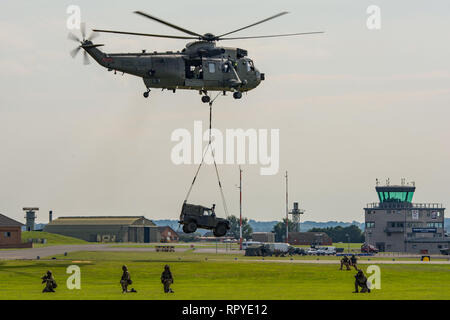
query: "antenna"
287, 210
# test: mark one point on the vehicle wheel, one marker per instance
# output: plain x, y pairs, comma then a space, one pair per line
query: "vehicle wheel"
192, 227
185, 228
237, 95
146, 94
206, 99
220, 230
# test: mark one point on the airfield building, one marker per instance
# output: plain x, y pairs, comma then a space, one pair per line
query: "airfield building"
168, 234
11, 234
263, 237
396, 224
310, 238
106, 229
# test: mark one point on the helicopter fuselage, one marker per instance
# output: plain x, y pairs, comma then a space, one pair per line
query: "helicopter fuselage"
200, 66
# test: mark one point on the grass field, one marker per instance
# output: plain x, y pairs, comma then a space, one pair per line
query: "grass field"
52, 238
199, 276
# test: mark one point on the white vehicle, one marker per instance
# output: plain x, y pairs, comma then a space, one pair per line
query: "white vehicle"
278, 246
311, 251
326, 251
247, 244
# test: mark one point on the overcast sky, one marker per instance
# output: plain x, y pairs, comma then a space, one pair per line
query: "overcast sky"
352, 105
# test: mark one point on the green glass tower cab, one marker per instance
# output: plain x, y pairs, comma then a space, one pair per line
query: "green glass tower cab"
389, 194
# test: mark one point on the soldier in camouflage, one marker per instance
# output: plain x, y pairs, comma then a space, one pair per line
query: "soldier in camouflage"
125, 281
167, 279
354, 262
361, 281
345, 262
50, 283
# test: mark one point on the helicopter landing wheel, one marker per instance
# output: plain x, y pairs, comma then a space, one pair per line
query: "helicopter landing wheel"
146, 94
206, 99
237, 95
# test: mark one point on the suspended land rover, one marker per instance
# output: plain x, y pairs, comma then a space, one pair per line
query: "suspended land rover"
195, 216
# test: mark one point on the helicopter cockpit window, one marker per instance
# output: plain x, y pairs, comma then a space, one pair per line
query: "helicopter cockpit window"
250, 66
212, 67
225, 68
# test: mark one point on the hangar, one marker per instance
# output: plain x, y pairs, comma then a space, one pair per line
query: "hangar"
106, 229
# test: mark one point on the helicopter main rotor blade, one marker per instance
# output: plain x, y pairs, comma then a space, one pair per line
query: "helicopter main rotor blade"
145, 34
192, 33
254, 24
273, 36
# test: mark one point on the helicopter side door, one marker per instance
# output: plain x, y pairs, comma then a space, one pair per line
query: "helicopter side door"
212, 74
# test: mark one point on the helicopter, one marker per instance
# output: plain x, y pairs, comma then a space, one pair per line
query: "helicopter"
201, 65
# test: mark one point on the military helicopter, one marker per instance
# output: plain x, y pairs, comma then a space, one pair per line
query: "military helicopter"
201, 66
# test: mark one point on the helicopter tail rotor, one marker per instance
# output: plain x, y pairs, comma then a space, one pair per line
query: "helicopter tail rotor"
85, 43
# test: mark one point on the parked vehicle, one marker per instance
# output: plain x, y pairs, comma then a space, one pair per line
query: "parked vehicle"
299, 251
246, 244
311, 251
326, 251
368, 248
445, 251
278, 246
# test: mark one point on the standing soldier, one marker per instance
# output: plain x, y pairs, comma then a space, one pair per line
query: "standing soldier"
361, 281
50, 283
345, 262
354, 262
167, 279
125, 281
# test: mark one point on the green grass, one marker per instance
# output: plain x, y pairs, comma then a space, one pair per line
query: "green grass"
198, 278
52, 238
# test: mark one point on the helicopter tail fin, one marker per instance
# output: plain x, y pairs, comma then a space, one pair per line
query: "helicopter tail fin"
94, 52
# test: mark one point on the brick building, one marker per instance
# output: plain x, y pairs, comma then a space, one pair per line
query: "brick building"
11, 233
168, 234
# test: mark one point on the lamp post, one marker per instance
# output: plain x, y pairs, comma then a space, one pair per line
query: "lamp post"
240, 208
287, 210
348, 242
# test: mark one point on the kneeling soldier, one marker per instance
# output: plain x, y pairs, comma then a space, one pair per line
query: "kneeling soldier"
50, 283
167, 279
345, 262
361, 281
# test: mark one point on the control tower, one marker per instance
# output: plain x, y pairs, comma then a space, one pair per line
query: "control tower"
396, 224
30, 217
296, 212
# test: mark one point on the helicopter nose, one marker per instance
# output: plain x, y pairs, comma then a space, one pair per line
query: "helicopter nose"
259, 77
